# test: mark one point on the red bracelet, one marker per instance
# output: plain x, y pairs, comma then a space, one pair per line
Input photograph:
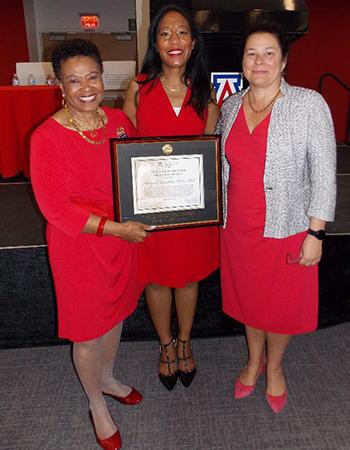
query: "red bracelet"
101, 225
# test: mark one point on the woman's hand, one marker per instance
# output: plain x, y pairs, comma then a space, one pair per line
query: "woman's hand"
130, 231
311, 251
134, 231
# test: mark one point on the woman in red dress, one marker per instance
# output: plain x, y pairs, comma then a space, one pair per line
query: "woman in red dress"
171, 97
93, 259
279, 190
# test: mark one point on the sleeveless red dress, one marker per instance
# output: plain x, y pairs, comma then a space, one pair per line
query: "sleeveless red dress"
174, 257
259, 288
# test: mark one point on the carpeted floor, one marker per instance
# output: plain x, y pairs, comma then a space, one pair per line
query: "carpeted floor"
43, 407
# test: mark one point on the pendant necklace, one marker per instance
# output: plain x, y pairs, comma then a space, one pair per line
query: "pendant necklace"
173, 89
258, 111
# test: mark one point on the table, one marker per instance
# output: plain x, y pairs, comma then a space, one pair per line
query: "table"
113, 98
23, 108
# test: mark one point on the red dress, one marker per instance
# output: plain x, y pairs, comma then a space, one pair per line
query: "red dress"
96, 280
258, 287
174, 257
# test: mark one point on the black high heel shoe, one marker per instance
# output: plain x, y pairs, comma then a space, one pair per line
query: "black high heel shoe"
169, 381
186, 376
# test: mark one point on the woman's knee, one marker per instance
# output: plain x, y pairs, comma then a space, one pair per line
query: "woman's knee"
88, 346
157, 287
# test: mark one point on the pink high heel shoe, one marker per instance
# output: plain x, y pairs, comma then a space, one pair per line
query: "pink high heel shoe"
277, 402
243, 390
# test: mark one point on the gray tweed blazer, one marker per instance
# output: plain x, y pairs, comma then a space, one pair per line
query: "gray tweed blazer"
300, 167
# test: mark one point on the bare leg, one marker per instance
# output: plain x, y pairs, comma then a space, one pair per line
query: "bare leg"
110, 346
276, 347
159, 300
87, 357
186, 302
256, 340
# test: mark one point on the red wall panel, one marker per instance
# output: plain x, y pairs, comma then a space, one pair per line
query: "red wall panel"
325, 49
13, 46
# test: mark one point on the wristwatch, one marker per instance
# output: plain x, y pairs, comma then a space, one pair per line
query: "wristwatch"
319, 234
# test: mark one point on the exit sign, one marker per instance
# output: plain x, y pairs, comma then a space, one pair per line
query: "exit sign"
89, 21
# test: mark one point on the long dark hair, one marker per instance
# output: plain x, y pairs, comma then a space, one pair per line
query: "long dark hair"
196, 72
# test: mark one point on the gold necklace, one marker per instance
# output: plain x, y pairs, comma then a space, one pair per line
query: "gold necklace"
173, 89
93, 131
267, 106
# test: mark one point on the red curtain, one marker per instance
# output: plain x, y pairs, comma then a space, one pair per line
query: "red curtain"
13, 46
325, 49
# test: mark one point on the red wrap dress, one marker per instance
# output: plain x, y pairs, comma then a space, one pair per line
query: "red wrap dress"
261, 284
96, 279
174, 257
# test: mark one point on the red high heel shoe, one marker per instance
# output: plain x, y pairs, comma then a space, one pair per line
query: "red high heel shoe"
133, 398
277, 402
243, 390
113, 442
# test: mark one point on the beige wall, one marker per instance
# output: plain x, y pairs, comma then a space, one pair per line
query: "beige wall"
142, 23
110, 47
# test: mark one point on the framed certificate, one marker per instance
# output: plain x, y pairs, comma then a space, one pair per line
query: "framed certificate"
170, 182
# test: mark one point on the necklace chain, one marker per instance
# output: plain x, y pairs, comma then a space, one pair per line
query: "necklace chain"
173, 89
267, 106
93, 131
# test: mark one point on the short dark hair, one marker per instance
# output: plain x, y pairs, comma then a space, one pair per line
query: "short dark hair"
71, 48
271, 28
196, 72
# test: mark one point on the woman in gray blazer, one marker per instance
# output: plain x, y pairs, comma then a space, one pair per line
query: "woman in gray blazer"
279, 189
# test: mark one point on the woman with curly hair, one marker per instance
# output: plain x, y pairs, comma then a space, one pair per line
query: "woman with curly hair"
93, 258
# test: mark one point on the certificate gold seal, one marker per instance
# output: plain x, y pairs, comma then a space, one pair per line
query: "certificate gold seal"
167, 149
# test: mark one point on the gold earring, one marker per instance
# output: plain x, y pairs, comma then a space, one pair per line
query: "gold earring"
64, 103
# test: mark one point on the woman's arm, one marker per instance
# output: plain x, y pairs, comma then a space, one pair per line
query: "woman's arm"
130, 231
322, 172
48, 175
213, 114
311, 249
131, 101
321, 157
